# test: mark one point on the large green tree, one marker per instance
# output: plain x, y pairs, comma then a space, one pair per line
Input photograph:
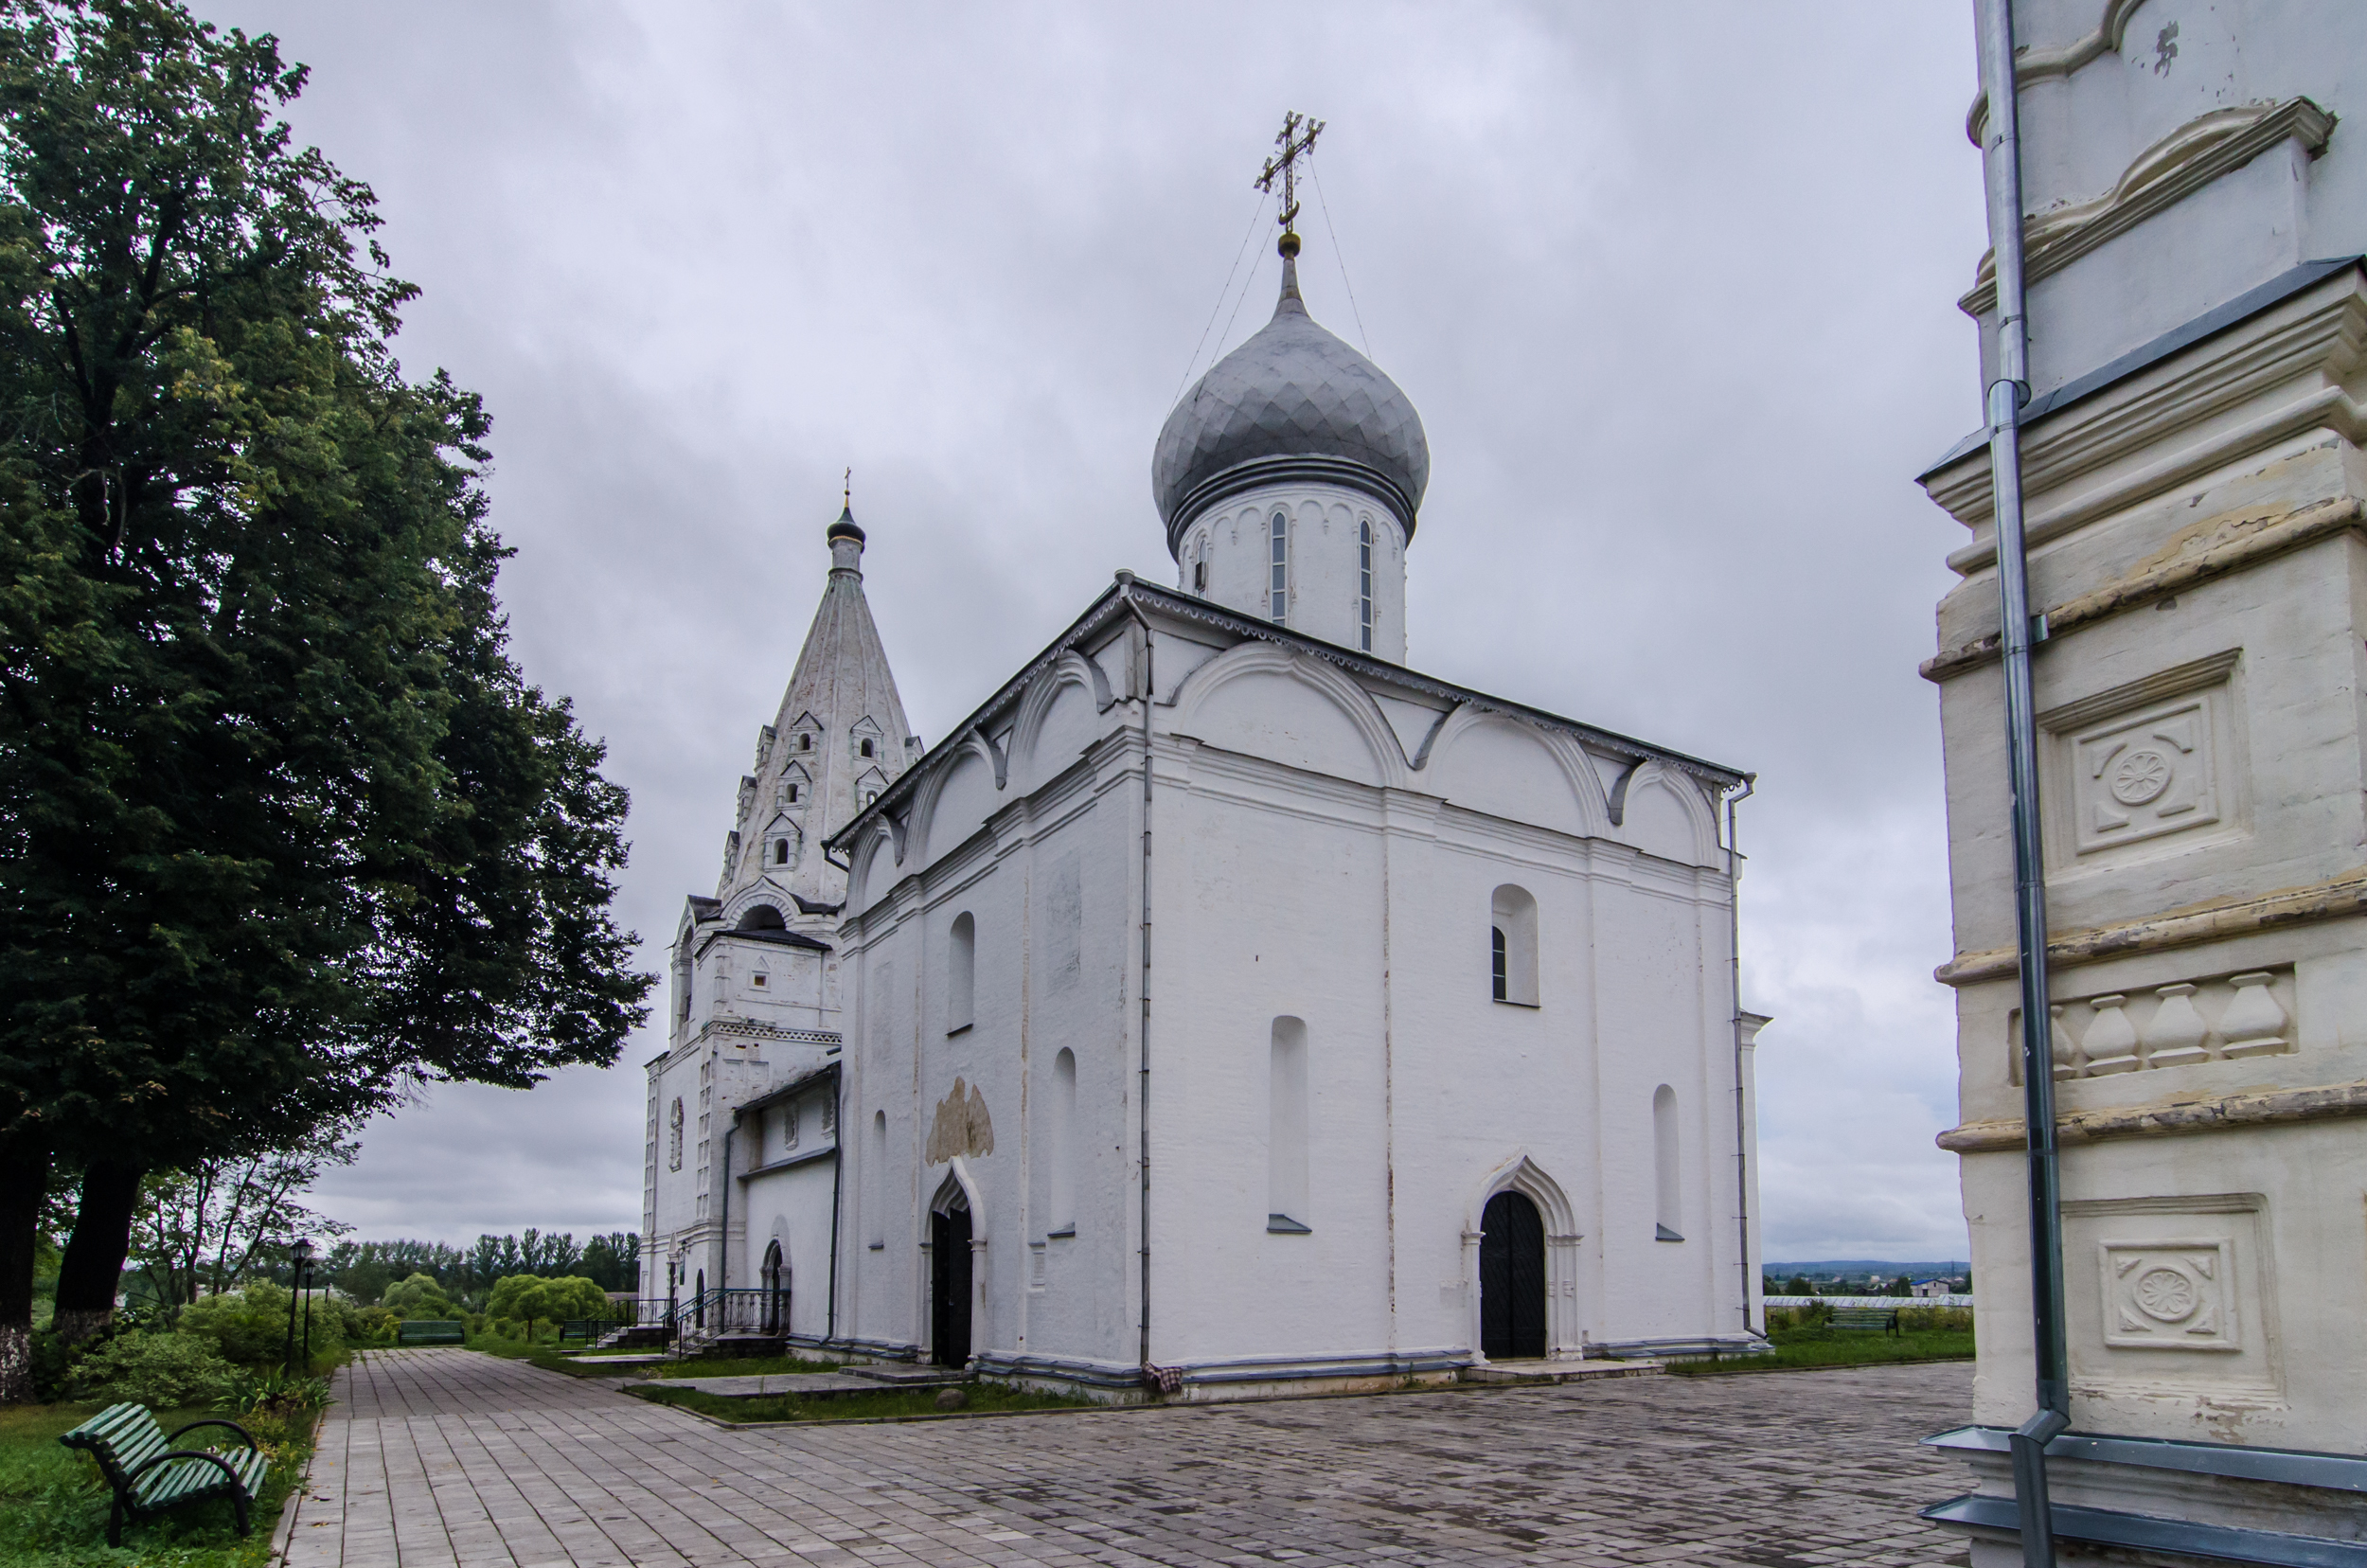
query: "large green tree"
283, 829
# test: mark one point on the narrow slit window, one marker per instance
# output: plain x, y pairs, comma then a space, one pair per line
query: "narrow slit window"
961, 974
1364, 586
866, 748
793, 794
1667, 1192
1200, 577
1286, 1130
1278, 570
1062, 1187
780, 851
1512, 946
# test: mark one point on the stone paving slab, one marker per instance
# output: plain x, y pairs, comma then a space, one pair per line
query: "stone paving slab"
444, 1458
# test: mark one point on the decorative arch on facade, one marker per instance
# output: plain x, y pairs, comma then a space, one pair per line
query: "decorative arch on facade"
929, 795
745, 910
1690, 797
1564, 1335
865, 884
1070, 668
1578, 772
1201, 687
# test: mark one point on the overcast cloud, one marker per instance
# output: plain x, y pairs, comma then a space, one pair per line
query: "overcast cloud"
1672, 286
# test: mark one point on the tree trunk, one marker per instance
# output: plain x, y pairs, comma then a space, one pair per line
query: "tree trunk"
23, 1182
92, 1272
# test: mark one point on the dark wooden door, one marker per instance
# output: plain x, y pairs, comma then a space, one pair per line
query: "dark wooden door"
1512, 1279
949, 1257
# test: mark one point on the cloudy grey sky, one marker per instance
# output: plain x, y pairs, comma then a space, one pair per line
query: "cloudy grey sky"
1672, 286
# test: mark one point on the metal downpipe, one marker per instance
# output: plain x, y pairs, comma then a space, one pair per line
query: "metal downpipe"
2007, 393
1742, 1128
1142, 1105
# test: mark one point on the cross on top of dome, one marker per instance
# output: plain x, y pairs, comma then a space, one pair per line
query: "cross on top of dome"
1293, 147
1292, 402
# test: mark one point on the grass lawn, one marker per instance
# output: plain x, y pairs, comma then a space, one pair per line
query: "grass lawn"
53, 1506
1820, 1346
888, 1402
551, 1358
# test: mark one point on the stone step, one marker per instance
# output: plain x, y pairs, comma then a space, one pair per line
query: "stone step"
1559, 1371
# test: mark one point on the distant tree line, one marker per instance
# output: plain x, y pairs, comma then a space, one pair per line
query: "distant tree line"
365, 1269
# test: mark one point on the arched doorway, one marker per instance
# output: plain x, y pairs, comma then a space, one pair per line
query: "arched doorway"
948, 1281
1512, 1279
773, 1276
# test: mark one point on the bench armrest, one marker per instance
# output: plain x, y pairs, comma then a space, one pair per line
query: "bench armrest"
212, 1422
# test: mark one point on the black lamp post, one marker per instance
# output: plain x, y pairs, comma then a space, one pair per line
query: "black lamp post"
300, 1260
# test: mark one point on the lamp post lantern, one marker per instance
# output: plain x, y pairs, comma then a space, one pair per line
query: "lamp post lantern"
300, 1260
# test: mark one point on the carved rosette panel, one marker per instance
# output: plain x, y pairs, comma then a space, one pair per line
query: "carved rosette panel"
2143, 763
2169, 1295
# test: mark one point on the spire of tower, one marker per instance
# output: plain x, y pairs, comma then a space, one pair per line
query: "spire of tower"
840, 737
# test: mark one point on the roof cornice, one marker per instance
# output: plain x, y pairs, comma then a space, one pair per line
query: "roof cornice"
1131, 589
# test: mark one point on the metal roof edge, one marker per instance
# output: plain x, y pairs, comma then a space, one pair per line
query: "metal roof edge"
1190, 607
2211, 322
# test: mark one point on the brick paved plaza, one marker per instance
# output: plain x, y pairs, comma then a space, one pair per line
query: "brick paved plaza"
438, 1456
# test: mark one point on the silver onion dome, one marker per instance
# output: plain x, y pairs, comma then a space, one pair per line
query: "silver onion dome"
1292, 402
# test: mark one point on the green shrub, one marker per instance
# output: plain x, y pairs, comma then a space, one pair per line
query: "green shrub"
418, 1298
1935, 1320
373, 1326
164, 1370
250, 1326
531, 1299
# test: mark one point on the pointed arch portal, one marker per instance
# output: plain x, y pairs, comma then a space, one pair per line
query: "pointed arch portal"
950, 1278
1521, 1251
1512, 1279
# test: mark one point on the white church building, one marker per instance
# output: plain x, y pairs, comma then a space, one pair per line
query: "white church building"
1222, 1007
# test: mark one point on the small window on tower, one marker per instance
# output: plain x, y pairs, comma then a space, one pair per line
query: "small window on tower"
1496, 935
1278, 558
780, 851
1364, 585
1200, 577
866, 748
758, 979
870, 795
793, 794
805, 741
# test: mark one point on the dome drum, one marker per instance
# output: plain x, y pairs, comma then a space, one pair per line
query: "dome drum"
1259, 472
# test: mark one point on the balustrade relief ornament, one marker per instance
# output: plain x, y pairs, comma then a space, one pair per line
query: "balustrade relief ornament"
2110, 1043
2254, 1024
2176, 1031
2187, 1023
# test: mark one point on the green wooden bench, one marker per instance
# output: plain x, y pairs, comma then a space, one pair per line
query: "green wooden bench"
431, 1332
1879, 1319
149, 1476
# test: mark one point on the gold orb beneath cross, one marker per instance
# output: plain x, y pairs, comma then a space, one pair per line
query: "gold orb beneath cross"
1289, 244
